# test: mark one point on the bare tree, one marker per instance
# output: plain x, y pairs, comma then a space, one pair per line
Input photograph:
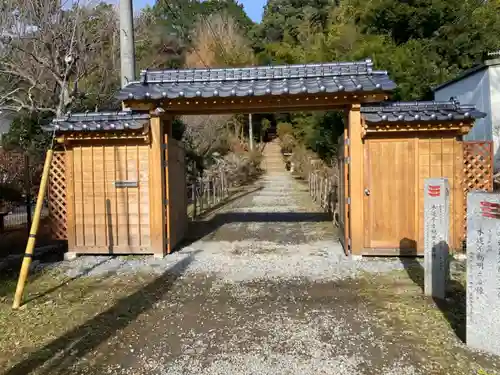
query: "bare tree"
218, 41
206, 134
47, 51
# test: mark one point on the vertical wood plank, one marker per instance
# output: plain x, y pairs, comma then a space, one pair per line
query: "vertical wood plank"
144, 218
356, 179
70, 200
110, 175
157, 187
412, 175
88, 196
99, 197
347, 189
132, 197
121, 196
417, 192
79, 212
138, 208
94, 167
368, 150
459, 194
168, 170
424, 173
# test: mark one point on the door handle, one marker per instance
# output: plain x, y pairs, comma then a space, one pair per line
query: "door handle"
367, 192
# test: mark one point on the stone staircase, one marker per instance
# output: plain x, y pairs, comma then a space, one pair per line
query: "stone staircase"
273, 160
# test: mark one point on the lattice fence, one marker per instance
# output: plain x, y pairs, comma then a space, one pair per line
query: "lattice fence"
478, 170
57, 196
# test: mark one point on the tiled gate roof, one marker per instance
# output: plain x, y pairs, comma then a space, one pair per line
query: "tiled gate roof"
259, 81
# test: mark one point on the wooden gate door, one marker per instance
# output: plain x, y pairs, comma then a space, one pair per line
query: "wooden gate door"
390, 195
343, 191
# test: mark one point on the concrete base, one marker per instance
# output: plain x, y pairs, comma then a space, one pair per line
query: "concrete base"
356, 257
70, 256
159, 256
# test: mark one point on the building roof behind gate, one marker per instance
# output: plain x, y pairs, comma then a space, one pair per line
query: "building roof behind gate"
258, 81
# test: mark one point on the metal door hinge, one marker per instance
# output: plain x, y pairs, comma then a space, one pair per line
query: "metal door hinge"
165, 202
349, 242
165, 164
347, 141
348, 200
347, 160
164, 146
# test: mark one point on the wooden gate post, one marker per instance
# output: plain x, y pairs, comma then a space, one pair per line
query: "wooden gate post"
356, 157
157, 188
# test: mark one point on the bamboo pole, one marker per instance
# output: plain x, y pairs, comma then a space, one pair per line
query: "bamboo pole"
28, 255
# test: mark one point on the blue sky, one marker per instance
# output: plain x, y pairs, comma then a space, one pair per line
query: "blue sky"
254, 8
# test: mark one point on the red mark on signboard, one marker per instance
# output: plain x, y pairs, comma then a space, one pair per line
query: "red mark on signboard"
491, 210
434, 190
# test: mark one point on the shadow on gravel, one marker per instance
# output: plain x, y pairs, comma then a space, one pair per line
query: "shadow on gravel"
238, 195
201, 229
58, 356
453, 307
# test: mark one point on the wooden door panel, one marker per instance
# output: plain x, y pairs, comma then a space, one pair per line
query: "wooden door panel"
390, 206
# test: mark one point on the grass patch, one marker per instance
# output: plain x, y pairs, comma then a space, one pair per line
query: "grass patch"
434, 330
64, 312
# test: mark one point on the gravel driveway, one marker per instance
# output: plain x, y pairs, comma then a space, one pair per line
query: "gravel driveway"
267, 291
264, 289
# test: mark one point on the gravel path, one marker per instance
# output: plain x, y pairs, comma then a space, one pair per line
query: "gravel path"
264, 289
276, 232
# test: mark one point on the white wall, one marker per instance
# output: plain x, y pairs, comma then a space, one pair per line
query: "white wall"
494, 78
473, 89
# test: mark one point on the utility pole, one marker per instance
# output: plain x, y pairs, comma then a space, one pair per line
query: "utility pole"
127, 51
250, 131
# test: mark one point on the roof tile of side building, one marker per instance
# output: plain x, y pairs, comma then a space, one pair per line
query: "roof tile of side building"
99, 121
420, 111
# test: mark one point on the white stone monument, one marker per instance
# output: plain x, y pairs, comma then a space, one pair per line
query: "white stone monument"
436, 236
483, 271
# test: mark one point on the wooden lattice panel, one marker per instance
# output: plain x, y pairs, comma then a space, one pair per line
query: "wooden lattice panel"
478, 166
57, 196
478, 170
